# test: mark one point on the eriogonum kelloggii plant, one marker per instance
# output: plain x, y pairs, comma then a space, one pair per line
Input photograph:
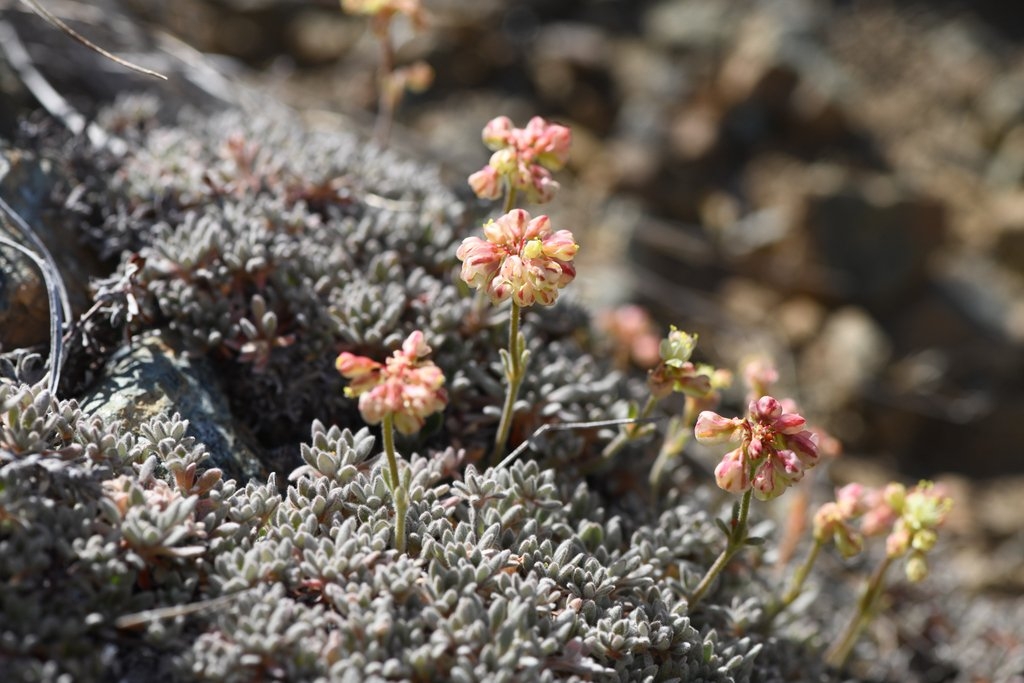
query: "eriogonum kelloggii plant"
912, 518
760, 377
392, 82
833, 521
674, 373
400, 393
521, 258
522, 161
524, 261
700, 385
774, 449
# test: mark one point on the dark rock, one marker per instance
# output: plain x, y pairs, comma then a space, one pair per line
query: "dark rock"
872, 238
967, 433
149, 378
952, 402
988, 297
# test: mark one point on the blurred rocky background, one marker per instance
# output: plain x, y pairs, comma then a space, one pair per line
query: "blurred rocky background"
839, 184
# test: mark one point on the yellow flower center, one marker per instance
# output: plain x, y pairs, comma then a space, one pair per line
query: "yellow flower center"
533, 248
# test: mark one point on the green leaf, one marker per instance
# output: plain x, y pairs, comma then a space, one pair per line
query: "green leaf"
721, 524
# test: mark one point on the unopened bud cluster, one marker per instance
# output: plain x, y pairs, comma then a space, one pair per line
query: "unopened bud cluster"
677, 373
909, 517
523, 159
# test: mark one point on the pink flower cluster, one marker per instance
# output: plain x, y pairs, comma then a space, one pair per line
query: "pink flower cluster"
633, 335
523, 158
521, 258
909, 517
834, 519
760, 376
406, 386
775, 449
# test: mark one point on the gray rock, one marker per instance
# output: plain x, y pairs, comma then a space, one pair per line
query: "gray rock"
847, 356
149, 378
688, 24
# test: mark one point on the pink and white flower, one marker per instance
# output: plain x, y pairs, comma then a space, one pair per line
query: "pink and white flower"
521, 258
523, 158
774, 448
406, 386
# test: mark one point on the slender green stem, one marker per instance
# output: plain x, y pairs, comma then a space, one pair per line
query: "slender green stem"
397, 491
737, 539
837, 654
674, 442
796, 585
510, 199
628, 432
514, 374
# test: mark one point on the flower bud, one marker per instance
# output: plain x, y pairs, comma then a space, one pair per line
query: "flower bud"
731, 473
917, 567
898, 542
551, 143
561, 246
713, 428
353, 366
486, 183
924, 540
760, 375
850, 500
790, 423
538, 183
765, 408
419, 76
825, 520
497, 131
894, 496
693, 384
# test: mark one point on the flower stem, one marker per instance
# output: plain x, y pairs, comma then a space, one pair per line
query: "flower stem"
737, 539
675, 440
837, 654
628, 432
796, 585
514, 372
397, 491
510, 199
